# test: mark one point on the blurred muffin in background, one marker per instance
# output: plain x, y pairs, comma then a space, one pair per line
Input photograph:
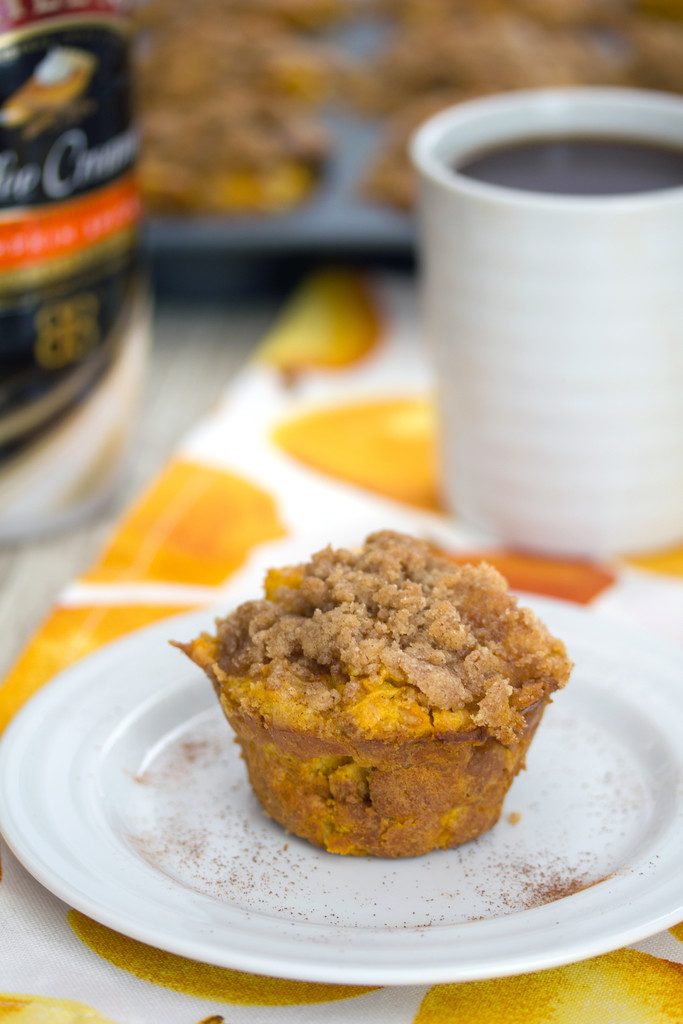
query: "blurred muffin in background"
234, 128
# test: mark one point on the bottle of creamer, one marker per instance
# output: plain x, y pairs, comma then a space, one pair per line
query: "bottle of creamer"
74, 307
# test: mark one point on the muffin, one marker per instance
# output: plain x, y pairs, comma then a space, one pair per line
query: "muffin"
384, 698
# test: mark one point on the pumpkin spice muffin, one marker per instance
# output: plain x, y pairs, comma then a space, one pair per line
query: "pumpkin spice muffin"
384, 698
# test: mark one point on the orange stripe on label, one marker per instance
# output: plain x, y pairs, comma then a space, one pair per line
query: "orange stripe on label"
45, 233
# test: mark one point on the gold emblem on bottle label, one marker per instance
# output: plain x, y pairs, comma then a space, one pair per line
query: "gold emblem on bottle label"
66, 331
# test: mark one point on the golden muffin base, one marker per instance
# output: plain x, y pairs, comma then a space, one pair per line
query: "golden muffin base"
378, 798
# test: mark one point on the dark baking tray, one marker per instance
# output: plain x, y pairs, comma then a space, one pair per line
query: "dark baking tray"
335, 222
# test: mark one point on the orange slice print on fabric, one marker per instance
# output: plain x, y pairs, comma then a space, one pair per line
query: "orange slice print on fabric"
330, 323
621, 986
385, 446
201, 980
24, 1009
195, 525
572, 580
67, 635
668, 562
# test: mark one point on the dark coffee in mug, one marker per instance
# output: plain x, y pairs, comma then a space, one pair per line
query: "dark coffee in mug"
578, 165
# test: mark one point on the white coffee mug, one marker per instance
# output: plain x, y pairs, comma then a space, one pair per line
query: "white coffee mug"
557, 329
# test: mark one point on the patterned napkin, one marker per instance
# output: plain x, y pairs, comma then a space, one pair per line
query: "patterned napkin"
326, 435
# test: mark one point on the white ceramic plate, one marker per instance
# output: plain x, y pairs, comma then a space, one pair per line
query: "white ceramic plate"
122, 792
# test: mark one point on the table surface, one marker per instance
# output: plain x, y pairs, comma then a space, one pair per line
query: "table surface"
196, 351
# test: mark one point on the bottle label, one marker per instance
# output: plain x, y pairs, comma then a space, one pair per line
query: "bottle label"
69, 210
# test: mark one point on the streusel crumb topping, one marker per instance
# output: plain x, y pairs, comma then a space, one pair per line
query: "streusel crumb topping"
395, 611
